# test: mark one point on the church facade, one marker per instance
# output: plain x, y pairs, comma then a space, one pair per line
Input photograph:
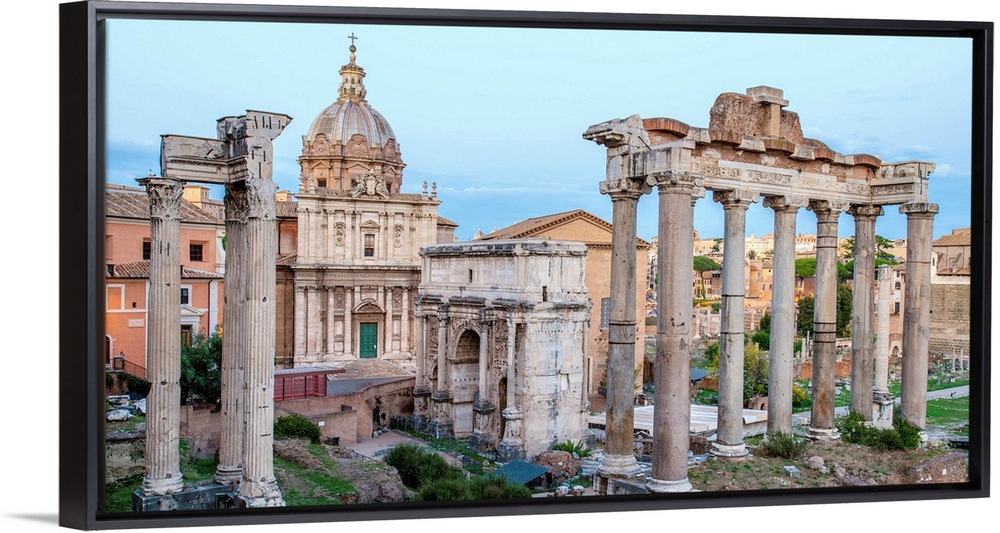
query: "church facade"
353, 277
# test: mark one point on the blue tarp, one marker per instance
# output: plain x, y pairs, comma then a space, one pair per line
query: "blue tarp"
697, 373
520, 472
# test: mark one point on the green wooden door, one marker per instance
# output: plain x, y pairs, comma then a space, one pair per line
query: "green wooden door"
369, 341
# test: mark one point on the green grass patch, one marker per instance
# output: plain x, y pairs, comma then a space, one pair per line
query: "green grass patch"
314, 487
949, 413
118, 496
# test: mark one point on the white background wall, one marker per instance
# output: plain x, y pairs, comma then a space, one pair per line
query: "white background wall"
29, 419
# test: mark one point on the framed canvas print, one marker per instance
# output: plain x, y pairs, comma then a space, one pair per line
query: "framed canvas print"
391, 263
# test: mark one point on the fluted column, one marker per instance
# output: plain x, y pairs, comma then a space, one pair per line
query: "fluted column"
348, 321
234, 334
779, 404
619, 458
675, 254
259, 487
404, 326
331, 321
863, 311
389, 291
821, 425
163, 339
301, 295
916, 310
729, 439
883, 306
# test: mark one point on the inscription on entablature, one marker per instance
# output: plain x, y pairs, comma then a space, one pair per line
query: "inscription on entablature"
897, 188
742, 174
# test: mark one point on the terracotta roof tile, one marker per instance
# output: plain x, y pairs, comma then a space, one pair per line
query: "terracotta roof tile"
140, 270
286, 209
128, 202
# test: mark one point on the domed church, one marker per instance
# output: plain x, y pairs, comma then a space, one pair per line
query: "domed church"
350, 286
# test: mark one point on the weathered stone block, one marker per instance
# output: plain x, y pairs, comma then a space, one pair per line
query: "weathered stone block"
947, 469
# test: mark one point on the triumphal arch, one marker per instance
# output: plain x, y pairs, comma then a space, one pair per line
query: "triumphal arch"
752, 151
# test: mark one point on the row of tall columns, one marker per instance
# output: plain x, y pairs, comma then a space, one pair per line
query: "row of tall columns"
163, 354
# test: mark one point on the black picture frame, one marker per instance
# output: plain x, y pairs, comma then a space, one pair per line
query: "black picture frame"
81, 258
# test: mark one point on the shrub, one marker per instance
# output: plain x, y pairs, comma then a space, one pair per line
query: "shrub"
903, 436
799, 397
296, 426
496, 488
417, 466
579, 448
784, 445
441, 490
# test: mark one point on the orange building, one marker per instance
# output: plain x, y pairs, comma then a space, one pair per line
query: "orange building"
127, 249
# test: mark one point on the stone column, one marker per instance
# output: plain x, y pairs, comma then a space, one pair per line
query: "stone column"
779, 404
441, 397
301, 295
348, 321
916, 310
883, 403
510, 447
404, 317
163, 338
234, 334
331, 321
863, 315
821, 425
259, 487
675, 254
389, 291
729, 439
619, 459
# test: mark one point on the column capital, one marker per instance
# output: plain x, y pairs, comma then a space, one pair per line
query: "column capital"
164, 197
624, 189
260, 198
865, 211
734, 199
785, 203
677, 181
827, 208
236, 205
917, 210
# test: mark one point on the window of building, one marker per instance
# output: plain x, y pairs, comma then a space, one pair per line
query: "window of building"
195, 252
369, 245
187, 335
605, 312
185, 295
108, 248
147, 250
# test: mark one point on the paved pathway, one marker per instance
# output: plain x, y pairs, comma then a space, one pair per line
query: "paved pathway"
953, 392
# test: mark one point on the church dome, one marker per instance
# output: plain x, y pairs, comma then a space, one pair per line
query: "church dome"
351, 114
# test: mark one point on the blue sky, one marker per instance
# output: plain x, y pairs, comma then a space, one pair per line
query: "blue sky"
495, 116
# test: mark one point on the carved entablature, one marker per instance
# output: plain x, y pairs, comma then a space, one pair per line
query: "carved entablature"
370, 184
902, 183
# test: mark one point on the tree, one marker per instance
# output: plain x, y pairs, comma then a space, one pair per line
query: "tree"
705, 264
845, 302
805, 267
882, 246
765, 322
752, 255
755, 371
807, 308
717, 246
201, 369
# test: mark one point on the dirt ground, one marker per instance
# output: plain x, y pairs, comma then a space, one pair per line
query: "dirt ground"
843, 464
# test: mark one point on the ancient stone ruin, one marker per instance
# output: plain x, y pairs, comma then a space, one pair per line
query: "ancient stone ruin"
502, 329
241, 160
753, 150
